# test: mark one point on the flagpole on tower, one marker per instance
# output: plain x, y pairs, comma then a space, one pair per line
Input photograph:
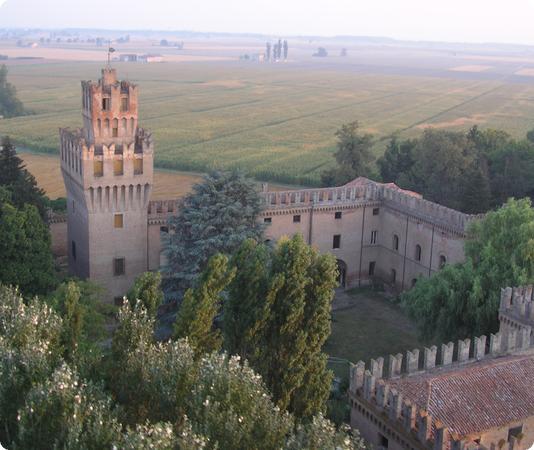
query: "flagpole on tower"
110, 51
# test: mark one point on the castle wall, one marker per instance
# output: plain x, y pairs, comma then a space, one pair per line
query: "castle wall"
58, 235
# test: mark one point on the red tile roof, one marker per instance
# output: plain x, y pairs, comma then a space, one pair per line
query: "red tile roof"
476, 397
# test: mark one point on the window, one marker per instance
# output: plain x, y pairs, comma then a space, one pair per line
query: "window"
124, 104
374, 235
115, 132
118, 167
418, 252
267, 220
442, 261
336, 241
296, 219
118, 301
164, 229
515, 432
395, 243
119, 267
384, 443
372, 265
138, 166
98, 168
106, 104
393, 275
118, 221
414, 282
73, 250
376, 211
338, 214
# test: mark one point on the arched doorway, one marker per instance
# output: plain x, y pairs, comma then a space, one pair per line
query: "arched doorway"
342, 273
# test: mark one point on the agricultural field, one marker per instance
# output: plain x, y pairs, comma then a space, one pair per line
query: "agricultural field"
277, 121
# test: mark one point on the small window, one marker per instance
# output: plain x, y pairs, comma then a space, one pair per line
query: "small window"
393, 275
118, 301
374, 235
336, 241
164, 229
418, 252
267, 220
115, 132
376, 211
296, 219
138, 166
372, 265
338, 214
384, 443
119, 267
124, 104
414, 282
442, 261
98, 168
73, 250
118, 221
106, 104
395, 243
118, 167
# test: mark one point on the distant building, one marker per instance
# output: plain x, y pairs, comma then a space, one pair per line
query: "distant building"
150, 58
128, 57
476, 395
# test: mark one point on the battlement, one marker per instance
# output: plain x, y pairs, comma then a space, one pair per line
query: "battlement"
516, 310
159, 211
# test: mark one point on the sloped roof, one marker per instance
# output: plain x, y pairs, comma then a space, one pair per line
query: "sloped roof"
362, 181
476, 397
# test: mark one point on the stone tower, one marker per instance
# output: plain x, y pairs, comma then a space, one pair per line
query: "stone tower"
107, 167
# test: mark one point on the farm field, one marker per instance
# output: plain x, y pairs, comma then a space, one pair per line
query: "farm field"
278, 121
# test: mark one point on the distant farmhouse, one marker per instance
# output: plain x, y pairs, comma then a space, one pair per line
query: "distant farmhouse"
114, 232
146, 58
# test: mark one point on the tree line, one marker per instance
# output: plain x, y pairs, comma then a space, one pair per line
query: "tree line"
10, 105
274, 52
470, 171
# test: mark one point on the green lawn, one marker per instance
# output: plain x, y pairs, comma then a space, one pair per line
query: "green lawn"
277, 122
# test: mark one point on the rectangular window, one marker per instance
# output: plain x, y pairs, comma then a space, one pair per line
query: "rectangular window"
267, 220
376, 211
296, 219
138, 166
118, 301
115, 132
374, 235
98, 168
124, 104
118, 167
336, 243
118, 221
372, 265
73, 250
384, 443
119, 267
338, 214
106, 104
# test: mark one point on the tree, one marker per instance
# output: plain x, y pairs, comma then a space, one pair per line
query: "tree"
290, 354
201, 305
463, 300
268, 51
286, 48
476, 193
10, 105
353, 155
147, 289
397, 161
530, 135
25, 256
216, 217
18, 181
72, 319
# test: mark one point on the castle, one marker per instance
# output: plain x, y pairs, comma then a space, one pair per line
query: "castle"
114, 231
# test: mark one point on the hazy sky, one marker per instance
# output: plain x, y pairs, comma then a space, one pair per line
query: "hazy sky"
451, 20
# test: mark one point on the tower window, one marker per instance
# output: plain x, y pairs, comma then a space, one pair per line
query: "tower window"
267, 220
296, 219
115, 130
372, 266
442, 261
124, 104
118, 221
336, 242
393, 275
119, 267
118, 167
98, 168
138, 166
374, 235
395, 243
106, 104
338, 215
418, 252
376, 211
73, 250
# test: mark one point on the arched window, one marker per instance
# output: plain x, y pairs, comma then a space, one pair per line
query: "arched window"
124, 124
115, 128
99, 125
414, 282
395, 243
442, 261
132, 125
418, 252
106, 126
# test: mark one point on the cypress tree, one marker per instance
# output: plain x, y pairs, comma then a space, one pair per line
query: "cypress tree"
147, 290
200, 306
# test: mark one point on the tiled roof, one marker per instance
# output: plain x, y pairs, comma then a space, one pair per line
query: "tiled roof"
476, 397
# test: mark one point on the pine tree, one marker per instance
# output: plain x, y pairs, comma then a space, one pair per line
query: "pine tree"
476, 194
247, 308
147, 290
216, 217
201, 305
72, 319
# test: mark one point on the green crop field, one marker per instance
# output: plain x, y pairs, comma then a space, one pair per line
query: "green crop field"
275, 121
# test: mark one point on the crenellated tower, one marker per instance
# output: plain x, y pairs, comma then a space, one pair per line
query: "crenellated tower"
107, 167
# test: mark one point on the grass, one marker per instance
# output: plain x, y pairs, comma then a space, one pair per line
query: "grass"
366, 325
278, 123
